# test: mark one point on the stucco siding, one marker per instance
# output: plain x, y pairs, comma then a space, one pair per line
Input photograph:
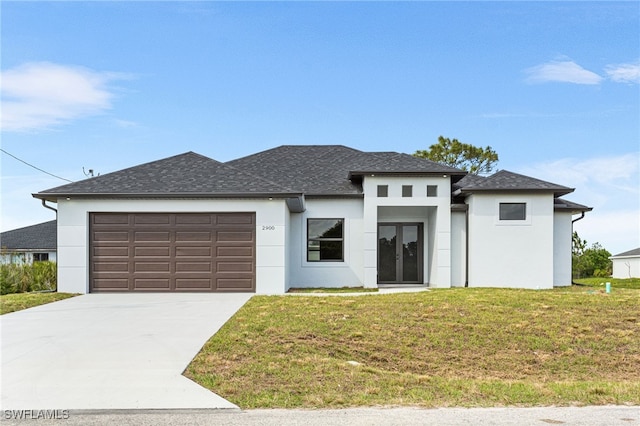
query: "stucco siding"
432, 212
458, 249
562, 229
626, 267
348, 273
516, 254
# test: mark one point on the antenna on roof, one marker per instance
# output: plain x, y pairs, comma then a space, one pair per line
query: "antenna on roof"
88, 173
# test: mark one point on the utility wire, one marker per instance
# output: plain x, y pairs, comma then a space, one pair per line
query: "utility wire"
37, 168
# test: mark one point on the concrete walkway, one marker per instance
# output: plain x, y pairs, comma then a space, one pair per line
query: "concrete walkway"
111, 351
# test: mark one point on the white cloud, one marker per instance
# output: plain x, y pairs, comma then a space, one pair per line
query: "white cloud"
624, 73
611, 185
617, 231
38, 95
562, 71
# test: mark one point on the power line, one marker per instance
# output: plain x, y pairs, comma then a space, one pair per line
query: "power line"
37, 168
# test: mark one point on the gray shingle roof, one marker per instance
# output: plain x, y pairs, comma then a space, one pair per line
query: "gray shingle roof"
43, 236
634, 252
508, 181
185, 174
327, 169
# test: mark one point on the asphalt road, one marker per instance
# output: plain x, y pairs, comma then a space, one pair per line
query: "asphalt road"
589, 416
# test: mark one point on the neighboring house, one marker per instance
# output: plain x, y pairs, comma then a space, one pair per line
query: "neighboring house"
627, 264
309, 216
29, 244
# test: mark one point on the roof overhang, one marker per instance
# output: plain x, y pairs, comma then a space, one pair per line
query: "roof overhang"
356, 174
555, 192
54, 197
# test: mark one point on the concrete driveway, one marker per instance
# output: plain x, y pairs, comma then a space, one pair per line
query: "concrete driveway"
111, 351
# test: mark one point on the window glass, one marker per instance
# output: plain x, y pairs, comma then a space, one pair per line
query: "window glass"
432, 190
407, 191
40, 257
325, 238
513, 211
383, 191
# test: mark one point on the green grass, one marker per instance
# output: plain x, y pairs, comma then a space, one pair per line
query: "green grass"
615, 282
457, 347
333, 290
19, 301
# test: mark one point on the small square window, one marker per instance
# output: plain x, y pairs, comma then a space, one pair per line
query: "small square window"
432, 190
513, 211
383, 191
407, 191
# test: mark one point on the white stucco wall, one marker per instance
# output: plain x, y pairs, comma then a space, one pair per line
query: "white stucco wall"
562, 230
350, 272
458, 248
626, 267
73, 235
511, 253
436, 223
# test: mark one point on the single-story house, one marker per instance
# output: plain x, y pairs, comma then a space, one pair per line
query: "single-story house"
627, 264
309, 216
29, 244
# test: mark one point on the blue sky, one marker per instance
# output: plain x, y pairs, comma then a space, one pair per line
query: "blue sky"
553, 87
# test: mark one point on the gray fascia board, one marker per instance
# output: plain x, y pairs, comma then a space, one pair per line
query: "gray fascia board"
557, 193
353, 174
337, 195
113, 195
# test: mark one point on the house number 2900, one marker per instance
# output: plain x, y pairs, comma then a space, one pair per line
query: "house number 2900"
268, 228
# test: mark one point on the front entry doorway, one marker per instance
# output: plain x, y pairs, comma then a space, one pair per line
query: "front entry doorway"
400, 253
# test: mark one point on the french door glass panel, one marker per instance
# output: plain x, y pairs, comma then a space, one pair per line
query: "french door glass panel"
399, 253
387, 264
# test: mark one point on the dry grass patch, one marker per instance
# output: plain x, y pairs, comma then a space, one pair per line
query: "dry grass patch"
458, 347
19, 301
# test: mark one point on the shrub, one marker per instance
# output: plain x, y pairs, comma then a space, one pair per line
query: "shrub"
20, 278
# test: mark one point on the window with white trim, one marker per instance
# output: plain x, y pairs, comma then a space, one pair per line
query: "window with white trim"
325, 240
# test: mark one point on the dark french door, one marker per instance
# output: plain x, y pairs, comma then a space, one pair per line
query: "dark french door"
400, 253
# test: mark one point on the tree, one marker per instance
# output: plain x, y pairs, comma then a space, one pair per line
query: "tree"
452, 152
578, 245
589, 262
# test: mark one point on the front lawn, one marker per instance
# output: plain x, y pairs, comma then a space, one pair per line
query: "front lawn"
615, 282
18, 301
457, 347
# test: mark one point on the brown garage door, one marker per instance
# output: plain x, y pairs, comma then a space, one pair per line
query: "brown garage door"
172, 252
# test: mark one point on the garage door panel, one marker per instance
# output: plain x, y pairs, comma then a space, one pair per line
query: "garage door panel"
235, 236
111, 219
144, 236
151, 284
234, 284
234, 266
191, 236
152, 267
196, 251
193, 266
231, 251
152, 219
194, 284
152, 251
111, 266
172, 252
195, 219
112, 236
106, 251
235, 219
114, 284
